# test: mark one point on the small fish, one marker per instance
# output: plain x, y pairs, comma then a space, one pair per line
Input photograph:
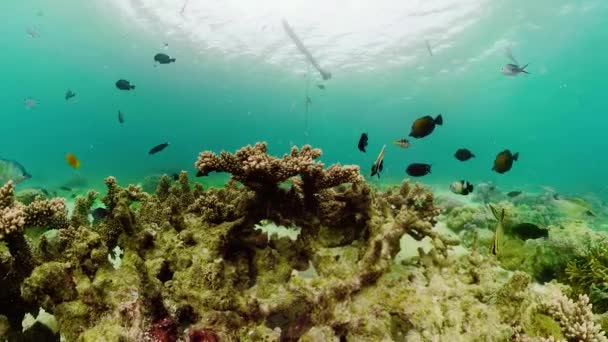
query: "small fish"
321, 86
72, 160
362, 142
526, 231
121, 117
124, 85
514, 193
418, 169
99, 214
158, 148
175, 176
32, 32
69, 94
403, 143
463, 154
461, 187
163, 58
379, 163
500, 230
513, 69
65, 188
425, 125
30, 103
504, 161
12, 170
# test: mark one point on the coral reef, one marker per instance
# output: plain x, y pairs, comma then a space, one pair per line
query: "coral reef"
196, 264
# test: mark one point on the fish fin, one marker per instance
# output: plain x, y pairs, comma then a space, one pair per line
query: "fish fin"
470, 188
132, 87
439, 120
381, 166
523, 69
516, 156
498, 215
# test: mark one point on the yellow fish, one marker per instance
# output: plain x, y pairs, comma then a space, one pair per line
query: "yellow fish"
403, 143
500, 230
72, 160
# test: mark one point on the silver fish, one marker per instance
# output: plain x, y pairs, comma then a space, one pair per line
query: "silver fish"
12, 170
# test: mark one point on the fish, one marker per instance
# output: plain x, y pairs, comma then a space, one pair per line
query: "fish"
461, 187
121, 117
463, 154
512, 69
526, 231
499, 230
72, 160
362, 142
65, 188
69, 94
425, 125
124, 85
162, 58
12, 170
403, 143
573, 207
321, 86
32, 32
379, 163
326, 75
99, 214
504, 161
514, 193
158, 148
175, 176
30, 103
418, 169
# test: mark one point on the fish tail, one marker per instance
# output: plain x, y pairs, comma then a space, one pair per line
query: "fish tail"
470, 188
516, 156
132, 87
523, 69
439, 120
172, 60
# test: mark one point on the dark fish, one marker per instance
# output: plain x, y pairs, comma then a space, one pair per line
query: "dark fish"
65, 188
504, 161
121, 117
158, 148
379, 163
163, 58
418, 169
362, 142
69, 94
461, 187
175, 176
425, 125
321, 86
12, 170
99, 214
124, 85
527, 231
463, 154
514, 193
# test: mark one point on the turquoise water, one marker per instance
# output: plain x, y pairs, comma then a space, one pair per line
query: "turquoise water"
238, 79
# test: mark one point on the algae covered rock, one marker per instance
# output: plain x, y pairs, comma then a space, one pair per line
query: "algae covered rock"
49, 285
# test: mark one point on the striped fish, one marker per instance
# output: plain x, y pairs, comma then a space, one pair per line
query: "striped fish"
499, 231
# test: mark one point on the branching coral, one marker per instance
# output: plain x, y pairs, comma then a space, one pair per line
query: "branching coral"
575, 318
263, 173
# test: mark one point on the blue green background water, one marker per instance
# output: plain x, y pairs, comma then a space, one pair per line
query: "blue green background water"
214, 100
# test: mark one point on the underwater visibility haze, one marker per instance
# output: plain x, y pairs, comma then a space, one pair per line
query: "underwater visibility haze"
162, 180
